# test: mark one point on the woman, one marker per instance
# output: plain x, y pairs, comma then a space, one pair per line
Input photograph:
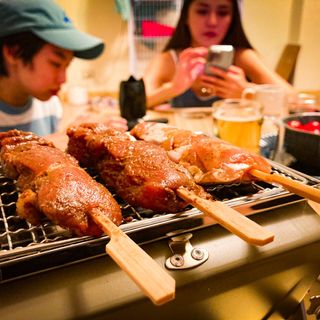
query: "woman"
176, 74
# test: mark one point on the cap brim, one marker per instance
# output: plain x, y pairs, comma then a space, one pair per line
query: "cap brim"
83, 45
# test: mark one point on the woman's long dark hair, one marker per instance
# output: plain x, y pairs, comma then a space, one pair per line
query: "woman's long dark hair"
181, 38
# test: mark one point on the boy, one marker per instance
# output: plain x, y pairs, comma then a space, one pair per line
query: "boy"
37, 44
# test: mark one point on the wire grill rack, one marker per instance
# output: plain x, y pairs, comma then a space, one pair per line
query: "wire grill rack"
27, 249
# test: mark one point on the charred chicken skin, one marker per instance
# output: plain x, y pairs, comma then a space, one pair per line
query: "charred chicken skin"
140, 172
51, 183
208, 159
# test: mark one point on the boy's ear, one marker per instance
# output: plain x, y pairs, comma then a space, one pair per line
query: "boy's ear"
10, 54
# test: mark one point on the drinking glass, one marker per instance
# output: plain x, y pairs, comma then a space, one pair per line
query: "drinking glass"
272, 97
239, 122
275, 106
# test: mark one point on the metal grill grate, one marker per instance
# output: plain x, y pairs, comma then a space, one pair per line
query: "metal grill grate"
22, 243
17, 233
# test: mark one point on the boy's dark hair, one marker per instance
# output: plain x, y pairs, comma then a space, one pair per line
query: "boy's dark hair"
25, 45
181, 38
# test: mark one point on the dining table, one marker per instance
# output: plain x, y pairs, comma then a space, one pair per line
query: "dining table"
196, 119
238, 281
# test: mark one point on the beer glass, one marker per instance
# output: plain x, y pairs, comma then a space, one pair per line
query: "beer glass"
274, 102
239, 122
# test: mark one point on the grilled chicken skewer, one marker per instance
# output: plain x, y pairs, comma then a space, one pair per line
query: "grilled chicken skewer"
293, 186
211, 160
208, 159
144, 176
140, 172
52, 184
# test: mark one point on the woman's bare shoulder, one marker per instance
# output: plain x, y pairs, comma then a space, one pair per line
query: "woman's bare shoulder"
244, 56
164, 58
252, 63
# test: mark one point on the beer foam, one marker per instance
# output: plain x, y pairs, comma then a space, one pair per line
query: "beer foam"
237, 118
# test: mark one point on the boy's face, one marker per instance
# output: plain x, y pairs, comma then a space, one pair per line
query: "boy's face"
46, 73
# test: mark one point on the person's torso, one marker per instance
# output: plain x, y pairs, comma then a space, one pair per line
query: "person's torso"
39, 117
190, 99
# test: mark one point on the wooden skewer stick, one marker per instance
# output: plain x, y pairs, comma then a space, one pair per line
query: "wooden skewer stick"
229, 218
293, 186
315, 206
155, 282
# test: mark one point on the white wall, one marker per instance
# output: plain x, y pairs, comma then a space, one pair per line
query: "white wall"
308, 68
99, 17
269, 26
266, 23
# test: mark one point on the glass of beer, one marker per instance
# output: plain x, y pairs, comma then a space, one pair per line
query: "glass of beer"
239, 122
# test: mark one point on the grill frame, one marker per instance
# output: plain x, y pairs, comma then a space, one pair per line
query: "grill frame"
16, 263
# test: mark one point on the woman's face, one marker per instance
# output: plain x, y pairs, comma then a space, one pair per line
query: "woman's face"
209, 21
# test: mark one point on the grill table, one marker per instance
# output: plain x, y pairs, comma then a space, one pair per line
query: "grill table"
45, 273
238, 281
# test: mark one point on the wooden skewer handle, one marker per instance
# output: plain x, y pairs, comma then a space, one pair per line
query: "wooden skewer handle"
293, 186
155, 282
315, 206
229, 218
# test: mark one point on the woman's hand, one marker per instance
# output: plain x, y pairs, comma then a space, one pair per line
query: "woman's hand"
226, 84
189, 67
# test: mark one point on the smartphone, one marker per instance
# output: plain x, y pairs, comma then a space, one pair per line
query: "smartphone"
220, 56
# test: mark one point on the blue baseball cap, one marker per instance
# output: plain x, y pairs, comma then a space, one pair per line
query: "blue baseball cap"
49, 22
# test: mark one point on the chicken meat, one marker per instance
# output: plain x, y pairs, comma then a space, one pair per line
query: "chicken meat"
208, 159
140, 172
51, 183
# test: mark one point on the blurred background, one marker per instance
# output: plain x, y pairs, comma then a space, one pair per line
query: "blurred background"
270, 25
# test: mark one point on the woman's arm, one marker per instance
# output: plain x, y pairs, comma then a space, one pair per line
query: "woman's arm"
165, 79
257, 71
157, 79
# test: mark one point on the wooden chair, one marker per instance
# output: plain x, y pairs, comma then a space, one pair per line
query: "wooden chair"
287, 62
